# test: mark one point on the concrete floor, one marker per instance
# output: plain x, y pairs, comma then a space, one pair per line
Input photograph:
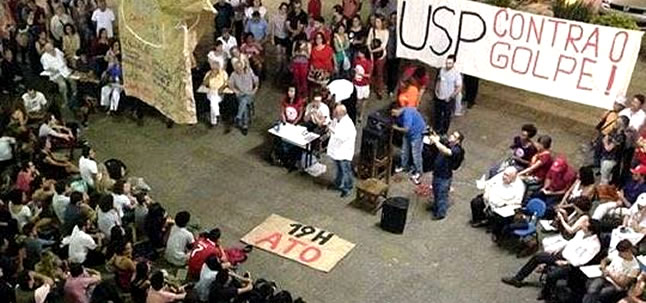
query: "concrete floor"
224, 181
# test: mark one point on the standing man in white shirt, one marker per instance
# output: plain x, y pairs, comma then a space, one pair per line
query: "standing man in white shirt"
340, 148
635, 112
53, 61
87, 166
103, 17
447, 88
57, 24
34, 102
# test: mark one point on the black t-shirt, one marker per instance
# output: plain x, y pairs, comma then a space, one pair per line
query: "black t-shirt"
7, 293
293, 19
618, 139
225, 15
357, 36
443, 165
222, 293
524, 152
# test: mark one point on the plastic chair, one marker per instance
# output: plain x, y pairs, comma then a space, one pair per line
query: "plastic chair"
537, 208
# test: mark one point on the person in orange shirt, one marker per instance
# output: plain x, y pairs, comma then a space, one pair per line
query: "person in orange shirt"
409, 95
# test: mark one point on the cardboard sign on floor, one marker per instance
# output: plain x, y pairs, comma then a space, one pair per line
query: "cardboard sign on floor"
308, 245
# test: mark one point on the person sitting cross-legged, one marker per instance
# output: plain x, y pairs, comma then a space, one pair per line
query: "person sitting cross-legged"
179, 240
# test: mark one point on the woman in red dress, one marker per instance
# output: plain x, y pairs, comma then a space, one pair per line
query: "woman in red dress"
322, 61
300, 66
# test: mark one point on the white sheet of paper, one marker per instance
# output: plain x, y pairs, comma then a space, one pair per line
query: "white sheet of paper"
506, 211
202, 89
547, 225
591, 271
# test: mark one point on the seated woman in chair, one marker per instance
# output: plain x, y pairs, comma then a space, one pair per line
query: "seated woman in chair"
53, 166
558, 180
540, 163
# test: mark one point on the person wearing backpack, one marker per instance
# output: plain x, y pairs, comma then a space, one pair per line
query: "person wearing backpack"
449, 158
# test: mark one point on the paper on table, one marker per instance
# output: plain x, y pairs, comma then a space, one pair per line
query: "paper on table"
202, 89
591, 271
506, 211
547, 225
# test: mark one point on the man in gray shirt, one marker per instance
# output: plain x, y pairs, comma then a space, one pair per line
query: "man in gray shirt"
447, 86
244, 84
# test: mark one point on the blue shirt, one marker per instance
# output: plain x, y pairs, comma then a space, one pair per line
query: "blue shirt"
632, 190
257, 28
443, 164
412, 120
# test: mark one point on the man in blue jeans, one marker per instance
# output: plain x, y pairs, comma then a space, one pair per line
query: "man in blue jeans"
412, 124
449, 157
343, 135
244, 84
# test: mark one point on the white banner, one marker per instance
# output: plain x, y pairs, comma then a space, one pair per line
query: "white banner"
571, 60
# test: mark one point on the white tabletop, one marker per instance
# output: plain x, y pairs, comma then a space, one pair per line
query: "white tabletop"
591, 271
506, 211
294, 134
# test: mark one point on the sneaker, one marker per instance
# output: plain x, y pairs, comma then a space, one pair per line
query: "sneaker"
399, 169
512, 281
415, 179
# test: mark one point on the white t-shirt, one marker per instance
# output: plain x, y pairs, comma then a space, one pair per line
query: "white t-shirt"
55, 64
6, 151
342, 140
636, 118
106, 221
88, 168
104, 19
120, 202
79, 243
249, 12
34, 104
22, 217
621, 266
323, 110
228, 44
59, 204
202, 287
176, 252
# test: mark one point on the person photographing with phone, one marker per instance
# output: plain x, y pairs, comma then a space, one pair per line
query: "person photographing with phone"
449, 158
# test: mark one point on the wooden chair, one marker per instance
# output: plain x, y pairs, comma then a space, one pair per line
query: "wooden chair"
371, 194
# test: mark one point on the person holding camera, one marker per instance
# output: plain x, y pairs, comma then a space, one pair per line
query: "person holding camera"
449, 158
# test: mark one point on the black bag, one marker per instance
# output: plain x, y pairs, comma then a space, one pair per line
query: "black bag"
375, 43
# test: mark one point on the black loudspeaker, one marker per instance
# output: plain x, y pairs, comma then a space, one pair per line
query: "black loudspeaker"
374, 144
393, 214
380, 120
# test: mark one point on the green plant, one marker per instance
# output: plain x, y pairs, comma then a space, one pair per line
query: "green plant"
577, 11
616, 20
500, 3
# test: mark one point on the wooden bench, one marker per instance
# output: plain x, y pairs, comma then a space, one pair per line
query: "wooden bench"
371, 194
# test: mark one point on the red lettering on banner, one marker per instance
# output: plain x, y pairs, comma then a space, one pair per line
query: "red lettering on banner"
593, 41
293, 244
570, 38
611, 80
273, 239
316, 256
556, 28
527, 63
558, 66
623, 47
499, 57
538, 54
538, 34
522, 26
583, 73
495, 22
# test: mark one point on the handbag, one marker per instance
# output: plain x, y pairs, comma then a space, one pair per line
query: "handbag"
346, 62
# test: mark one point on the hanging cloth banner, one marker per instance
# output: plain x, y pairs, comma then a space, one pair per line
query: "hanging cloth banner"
575, 61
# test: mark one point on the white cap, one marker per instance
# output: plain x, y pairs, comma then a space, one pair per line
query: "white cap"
621, 99
641, 200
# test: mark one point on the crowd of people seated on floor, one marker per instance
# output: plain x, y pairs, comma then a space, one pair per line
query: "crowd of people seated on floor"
593, 217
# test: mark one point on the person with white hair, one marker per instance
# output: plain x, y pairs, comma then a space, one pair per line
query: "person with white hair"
340, 148
53, 61
215, 81
504, 189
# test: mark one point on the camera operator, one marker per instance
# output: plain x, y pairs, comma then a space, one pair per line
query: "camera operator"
449, 158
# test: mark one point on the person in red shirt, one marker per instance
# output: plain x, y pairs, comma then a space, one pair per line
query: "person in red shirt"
361, 80
540, 163
351, 8
558, 180
204, 247
292, 107
314, 8
322, 61
318, 26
